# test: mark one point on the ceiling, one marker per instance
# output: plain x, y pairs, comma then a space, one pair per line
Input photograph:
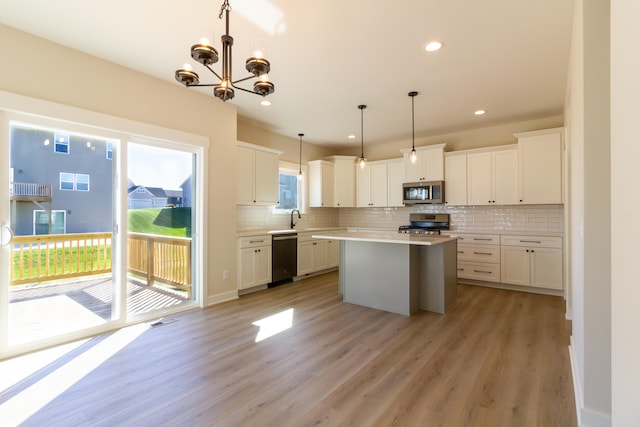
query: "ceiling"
508, 57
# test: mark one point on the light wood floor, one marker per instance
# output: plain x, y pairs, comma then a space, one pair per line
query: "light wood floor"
499, 358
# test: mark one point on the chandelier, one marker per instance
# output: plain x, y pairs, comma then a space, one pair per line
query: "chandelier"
206, 55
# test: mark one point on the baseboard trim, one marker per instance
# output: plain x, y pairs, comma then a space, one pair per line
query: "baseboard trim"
223, 297
586, 417
507, 286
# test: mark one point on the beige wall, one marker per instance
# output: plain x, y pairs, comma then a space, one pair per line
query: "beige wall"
40, 69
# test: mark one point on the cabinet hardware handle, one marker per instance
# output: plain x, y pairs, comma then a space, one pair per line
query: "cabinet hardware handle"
460, 252
481, 271
256, 241
482, 238
530, 241
482, 253
461, 269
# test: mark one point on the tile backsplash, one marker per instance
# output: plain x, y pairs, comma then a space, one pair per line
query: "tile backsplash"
530, 218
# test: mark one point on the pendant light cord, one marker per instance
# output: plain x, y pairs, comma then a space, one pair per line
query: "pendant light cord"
300, 164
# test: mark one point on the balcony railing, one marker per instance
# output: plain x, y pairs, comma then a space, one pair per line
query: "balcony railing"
60, 256
29, 191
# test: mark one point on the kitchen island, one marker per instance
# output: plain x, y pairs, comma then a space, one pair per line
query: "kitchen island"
400, 273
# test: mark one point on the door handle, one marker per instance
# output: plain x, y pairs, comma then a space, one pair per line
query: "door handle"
2, 239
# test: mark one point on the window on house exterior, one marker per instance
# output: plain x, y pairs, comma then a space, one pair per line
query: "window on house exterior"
41, 222
61, 143
109, 151
82, 182
67, 181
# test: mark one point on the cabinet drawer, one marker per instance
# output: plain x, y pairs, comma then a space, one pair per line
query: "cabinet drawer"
479, 271
479, 253
478, 239
532, 241
254, 241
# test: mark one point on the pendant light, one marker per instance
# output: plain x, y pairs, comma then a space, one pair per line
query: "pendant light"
362, 160
414, 155
300, 164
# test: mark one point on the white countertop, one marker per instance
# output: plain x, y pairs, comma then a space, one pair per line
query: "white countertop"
384, 237
259, 232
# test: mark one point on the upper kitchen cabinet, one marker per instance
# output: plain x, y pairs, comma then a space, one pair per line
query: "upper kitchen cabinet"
320, 184
395, 178
344, 181
429, 165
332, 182
540, 161
257, 175
492, 176
455, 179
371, 185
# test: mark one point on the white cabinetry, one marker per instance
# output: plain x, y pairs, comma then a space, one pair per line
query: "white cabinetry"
333, 253
371, 185
312, 254
257, 175
395, 178
479, 256
540, 161
344, 180
455, 179
492, 176
320, 183
254, 261
429, 165
532, 261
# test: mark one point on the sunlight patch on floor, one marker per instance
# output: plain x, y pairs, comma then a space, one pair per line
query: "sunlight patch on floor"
272, 325
28, 402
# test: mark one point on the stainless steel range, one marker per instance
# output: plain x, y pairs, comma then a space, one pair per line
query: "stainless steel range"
425, 224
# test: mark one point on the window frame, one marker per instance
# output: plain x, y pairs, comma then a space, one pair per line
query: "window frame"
76, 181
72, 180
289, 168
64, 142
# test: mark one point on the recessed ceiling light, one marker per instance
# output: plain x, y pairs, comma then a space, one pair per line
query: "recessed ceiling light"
352, 136
433, 46
265, 103
479, 112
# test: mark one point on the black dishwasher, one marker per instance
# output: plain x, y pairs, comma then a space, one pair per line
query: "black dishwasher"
284, 261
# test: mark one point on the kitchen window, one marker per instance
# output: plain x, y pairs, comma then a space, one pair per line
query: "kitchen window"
290, 189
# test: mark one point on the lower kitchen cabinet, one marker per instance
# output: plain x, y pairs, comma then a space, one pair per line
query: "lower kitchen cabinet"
316, 254
333, 253
534, 261
479, 257
254, 261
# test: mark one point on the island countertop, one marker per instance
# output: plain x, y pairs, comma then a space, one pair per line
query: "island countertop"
384, 237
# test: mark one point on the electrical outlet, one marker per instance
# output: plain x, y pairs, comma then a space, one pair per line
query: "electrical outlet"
225, 275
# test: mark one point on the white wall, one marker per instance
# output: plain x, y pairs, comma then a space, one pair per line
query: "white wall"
625, 204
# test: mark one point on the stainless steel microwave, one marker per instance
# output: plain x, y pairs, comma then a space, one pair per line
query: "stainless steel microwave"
423, 192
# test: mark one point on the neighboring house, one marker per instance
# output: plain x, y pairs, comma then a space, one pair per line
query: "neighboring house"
187, 189
141, 197
60, 182
174, 198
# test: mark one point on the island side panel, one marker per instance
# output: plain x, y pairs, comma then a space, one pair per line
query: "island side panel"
438, 277
377, 275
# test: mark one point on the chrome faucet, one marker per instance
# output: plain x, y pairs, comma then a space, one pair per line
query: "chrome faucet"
293, 224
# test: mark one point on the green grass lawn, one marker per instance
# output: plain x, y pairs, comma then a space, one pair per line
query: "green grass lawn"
175, 222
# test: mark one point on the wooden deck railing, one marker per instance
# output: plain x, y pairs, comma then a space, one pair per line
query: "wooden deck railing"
58, 256
161, 258
27, 191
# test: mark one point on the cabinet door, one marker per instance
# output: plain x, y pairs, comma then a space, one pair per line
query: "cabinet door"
344, 183
505, 177
245, 176
514, 263
413, 171
327, 185
395, 178
320, 260
479, 172
433, 164
363, 187
266, 178
541, 168
455, 180
246, 271
379, 185
333, 253
305, 257
546, 268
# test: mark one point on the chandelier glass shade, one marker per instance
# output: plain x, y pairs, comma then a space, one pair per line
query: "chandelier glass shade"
362, 160
414, 155
207, 55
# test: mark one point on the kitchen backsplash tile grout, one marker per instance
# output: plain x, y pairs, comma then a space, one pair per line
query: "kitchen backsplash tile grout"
529, 218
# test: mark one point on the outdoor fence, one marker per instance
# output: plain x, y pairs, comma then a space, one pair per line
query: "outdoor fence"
59, 256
